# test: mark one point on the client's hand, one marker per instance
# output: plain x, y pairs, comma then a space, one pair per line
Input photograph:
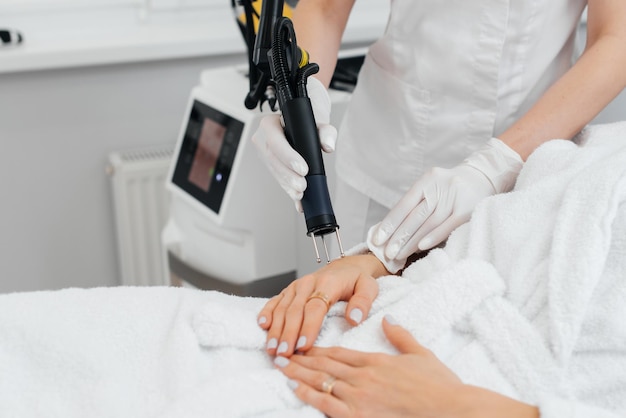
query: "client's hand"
294, 317
346, 383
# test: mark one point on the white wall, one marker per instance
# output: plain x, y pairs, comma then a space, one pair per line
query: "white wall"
616, 111
57, 128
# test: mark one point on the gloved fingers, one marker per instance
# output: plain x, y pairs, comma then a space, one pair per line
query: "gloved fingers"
320, 100
465, 189
269, 125
436, 221
292, 183
298, 204
285, 164
407, 234
276, 146
442, 232
328, 137
461, 213
411, 247
398, 213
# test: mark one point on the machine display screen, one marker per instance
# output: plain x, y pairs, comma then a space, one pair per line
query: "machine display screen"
207, 153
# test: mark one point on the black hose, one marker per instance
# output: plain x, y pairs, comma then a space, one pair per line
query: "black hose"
303, 75
280, 62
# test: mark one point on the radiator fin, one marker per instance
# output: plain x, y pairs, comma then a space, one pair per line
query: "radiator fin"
141, 206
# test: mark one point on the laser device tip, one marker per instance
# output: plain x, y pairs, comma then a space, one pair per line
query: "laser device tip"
322, 237
317, 253
339, 242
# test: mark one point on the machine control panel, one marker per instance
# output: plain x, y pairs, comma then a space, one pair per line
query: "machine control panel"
207, 153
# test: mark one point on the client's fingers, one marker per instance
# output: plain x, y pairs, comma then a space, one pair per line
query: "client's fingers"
296, 312
278, 319
401, 338
264, 318
342, 355
317, 381
315, 311
313, 370
365, 291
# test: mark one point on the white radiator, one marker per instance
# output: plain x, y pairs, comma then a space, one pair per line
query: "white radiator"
141, 205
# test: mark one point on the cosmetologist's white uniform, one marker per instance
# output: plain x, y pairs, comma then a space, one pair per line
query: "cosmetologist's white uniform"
446, 76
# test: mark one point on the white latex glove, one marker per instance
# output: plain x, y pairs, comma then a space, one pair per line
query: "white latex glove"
441, 200
285, 164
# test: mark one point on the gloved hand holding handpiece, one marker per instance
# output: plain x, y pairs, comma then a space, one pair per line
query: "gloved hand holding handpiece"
285, 164
441, 200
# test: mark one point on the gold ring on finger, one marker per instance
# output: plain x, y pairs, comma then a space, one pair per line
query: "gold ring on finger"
321, 296
328, 384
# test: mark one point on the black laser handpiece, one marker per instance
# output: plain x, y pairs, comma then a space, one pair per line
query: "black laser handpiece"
290, 69
301, 131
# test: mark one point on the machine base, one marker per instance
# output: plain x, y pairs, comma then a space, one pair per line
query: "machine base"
265, 287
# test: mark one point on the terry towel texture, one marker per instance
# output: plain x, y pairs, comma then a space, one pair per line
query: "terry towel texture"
527, 299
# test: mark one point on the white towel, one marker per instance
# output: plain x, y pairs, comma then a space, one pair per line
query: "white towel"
526, 299
110, 352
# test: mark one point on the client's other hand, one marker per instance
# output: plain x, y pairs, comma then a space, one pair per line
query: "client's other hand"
294, 317
345, 383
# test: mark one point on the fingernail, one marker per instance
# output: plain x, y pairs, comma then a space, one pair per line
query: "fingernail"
391, 320
272, 343
301, 342
382, 233
282, 347
392, 250
380, 237
425, 243
293, 385
356, 315
262, 320
281, 361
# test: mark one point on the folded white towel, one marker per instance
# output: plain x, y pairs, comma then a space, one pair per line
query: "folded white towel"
230, 323
109, 352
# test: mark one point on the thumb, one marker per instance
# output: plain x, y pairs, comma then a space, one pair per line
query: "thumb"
400, 338
365, 291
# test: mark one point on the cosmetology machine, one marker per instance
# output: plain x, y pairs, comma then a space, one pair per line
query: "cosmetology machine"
231, 227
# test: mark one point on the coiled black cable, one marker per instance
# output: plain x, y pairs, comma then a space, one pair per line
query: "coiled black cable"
303, 76
283, 31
